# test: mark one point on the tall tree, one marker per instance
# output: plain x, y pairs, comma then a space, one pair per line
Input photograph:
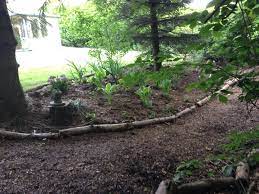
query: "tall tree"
12, 100
155, 22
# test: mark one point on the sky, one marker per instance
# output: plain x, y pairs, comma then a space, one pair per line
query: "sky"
18, 5
199, 4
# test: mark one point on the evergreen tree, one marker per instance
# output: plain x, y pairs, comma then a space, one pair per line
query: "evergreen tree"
155, 22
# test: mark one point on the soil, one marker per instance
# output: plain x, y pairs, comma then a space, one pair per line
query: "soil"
94, 108
129, 162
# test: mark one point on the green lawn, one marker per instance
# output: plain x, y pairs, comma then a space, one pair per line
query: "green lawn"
31, 78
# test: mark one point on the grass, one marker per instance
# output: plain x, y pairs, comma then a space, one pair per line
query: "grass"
34, 77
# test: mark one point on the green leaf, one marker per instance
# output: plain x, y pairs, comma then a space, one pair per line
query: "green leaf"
228, 170
223, 99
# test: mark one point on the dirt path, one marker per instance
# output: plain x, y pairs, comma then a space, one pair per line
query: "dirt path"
130, 162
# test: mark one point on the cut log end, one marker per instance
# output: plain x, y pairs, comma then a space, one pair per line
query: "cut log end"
242, 172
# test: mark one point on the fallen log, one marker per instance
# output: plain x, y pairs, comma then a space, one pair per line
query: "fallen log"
13, 135
44, 135
240, 182
209, 185
95, 129
16, 135
103, 128
201, 187
37, 88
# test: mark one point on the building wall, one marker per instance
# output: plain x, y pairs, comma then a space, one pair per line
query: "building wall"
24, 27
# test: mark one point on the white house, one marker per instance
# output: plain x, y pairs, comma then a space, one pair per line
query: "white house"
33, 31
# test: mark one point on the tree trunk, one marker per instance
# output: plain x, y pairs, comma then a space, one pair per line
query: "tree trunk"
155, 36
12, 100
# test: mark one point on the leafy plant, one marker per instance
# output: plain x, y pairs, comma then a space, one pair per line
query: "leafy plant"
132, 79
165, 86
89, 117
228, 170
110, 40
113, 68
98, 77
108, 91
185, 169
77, 72
238, 146
76, 106
240, 140
231, 38
59, 83
144, 94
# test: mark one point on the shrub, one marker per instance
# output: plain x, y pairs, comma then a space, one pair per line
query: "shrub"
75, 25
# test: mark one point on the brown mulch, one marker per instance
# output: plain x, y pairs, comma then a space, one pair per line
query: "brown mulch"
129, 162
125, 107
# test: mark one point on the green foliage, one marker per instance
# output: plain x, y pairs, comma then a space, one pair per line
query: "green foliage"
139, 76
77, 106
110, 40
133, 79
237, 148
113, 68
186, 169
77, 72
156, 26
99, 75
165, 86
109, 90
231, 39
59, 83
240, 146
240, 140
144, 94
228, 170
75, 25
110, 64
91, 24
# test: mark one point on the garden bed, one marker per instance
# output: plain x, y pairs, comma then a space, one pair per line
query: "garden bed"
129, 162
95, 109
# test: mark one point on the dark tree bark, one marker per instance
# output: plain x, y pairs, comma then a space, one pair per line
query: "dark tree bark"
155, 36
12, 100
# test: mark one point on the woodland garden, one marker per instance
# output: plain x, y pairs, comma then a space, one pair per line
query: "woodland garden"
181, 117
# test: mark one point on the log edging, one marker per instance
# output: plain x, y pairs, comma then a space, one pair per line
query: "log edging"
105, 128
239, 183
